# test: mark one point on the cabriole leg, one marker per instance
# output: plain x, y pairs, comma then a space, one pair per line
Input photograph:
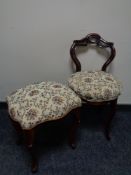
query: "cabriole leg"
73, 130
112, 112
29, 135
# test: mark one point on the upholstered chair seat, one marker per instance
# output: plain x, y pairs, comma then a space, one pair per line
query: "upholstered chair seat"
95, 86
38, 103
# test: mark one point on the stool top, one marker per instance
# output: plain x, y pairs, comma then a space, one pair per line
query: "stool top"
41, 102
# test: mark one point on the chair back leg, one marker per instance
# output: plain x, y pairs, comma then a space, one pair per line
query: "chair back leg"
73, 130
112, 112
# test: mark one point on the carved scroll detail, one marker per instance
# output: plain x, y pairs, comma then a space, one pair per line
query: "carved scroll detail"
96, 40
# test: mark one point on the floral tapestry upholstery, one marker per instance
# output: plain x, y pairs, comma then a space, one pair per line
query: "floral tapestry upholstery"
38, 103
95, 86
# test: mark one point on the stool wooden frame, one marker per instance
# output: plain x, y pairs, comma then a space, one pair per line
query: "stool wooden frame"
29, 137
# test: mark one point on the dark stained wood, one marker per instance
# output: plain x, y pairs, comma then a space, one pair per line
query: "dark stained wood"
19, 132
96, 40
28, 137
112, 112
73, 130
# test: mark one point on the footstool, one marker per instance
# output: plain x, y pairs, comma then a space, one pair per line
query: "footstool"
38, 103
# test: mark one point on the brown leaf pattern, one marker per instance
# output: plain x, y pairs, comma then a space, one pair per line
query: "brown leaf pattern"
95, 86
41, 102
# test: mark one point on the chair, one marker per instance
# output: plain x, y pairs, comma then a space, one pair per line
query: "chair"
95, 87
38, 103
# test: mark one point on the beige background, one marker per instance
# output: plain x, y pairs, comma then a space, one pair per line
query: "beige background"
36, 35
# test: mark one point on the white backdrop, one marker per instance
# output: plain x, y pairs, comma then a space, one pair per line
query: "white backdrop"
36, 35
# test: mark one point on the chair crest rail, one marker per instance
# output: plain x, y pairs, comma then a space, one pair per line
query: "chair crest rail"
95, 40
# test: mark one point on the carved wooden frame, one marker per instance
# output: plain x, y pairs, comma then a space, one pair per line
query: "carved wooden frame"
92, 39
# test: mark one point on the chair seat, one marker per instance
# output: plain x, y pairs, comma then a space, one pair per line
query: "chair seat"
38, 103
95, 86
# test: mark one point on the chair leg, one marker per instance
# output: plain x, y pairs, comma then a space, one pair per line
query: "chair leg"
73, 130
19, 132
29, 134
112, 112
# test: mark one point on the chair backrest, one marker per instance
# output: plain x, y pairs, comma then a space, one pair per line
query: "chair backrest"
92, 39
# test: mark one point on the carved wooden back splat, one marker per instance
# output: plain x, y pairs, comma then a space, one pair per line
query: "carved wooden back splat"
92, 39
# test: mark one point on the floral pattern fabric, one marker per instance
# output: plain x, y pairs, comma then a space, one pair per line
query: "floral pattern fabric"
95, 86
41, 102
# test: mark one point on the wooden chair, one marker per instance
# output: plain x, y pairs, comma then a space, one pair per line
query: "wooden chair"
36, 104
95, 87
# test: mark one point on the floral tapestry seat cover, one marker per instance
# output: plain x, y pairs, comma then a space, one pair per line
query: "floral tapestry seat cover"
41, 102
95, 86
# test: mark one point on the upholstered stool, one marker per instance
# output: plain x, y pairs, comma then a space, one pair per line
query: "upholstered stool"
38, 103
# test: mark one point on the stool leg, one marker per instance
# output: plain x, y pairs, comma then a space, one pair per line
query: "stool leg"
29, 134
113, 105
19, 132
73, 130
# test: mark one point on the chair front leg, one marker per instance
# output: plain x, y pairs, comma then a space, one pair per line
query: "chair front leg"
73, 130
112, 112
29, 138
